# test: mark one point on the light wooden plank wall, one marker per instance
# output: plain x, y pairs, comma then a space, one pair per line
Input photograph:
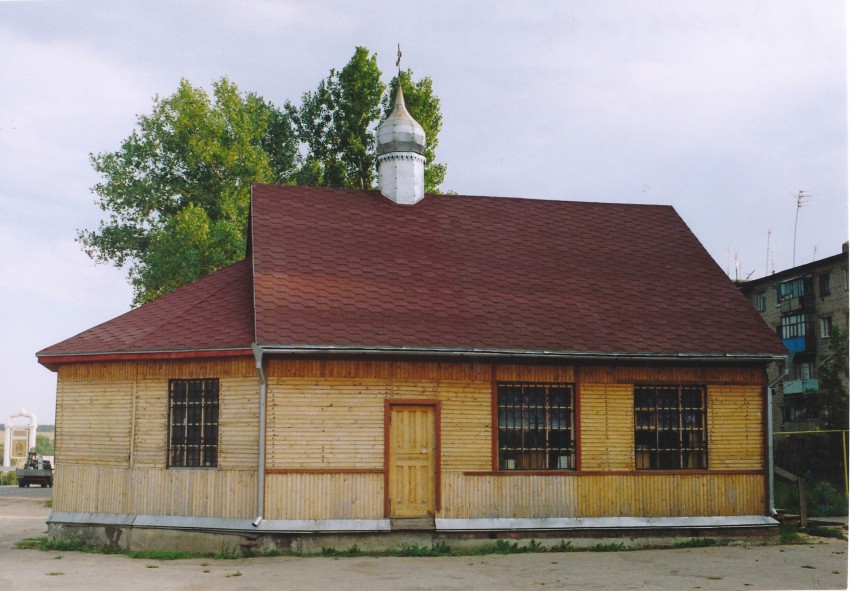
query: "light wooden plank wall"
339, 423
671, 495
487, 496
607, 427
327, 415
230, 494
324, 496
615, 495
701, 374
155, 491
176, 369
95, 422
735, 428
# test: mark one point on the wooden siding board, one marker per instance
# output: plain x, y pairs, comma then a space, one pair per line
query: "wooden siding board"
327, 415
607, 427
735, 427
96, 422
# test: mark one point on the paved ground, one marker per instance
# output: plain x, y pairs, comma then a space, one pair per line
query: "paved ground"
818, 565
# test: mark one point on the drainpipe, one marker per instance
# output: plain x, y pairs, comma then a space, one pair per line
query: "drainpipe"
261, 467
771, 503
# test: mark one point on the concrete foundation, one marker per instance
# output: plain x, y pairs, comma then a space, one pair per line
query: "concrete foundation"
240, 542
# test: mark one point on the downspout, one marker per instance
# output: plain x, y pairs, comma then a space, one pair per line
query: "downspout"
771, 503
261, 467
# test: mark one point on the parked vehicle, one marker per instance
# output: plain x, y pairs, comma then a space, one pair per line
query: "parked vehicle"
37, 470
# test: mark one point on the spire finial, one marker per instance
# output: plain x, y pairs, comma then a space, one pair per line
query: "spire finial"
398, 59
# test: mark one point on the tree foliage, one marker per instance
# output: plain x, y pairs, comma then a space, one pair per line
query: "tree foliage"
335, 124
43, 444
177, 191
832, 400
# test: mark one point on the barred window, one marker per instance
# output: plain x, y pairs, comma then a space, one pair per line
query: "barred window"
536, 426
192, 423
670, 428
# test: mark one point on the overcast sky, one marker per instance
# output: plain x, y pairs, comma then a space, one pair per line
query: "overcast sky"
723, 109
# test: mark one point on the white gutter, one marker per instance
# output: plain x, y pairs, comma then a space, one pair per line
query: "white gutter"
771, 502
261, 463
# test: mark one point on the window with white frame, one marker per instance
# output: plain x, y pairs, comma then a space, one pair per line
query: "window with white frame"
825, 326
761, 301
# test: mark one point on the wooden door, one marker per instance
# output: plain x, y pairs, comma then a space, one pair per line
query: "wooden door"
412, 460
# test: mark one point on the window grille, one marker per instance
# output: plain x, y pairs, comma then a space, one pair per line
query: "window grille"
193, 423
536, 426
670, 428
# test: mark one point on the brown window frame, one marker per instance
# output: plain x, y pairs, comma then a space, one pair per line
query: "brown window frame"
671, 430
536, 427
193, 423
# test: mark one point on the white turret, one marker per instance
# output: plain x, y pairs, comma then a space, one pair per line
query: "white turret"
401, 165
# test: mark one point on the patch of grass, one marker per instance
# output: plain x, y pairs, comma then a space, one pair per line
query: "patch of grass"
159, 554
54, 574
46, 545
823, 498
48, 504
563, 546
696, 543
822, 531
235, 574
611, 547
351, 551
441, 548
789, 534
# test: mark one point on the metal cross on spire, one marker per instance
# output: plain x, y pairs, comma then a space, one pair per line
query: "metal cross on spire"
398, 60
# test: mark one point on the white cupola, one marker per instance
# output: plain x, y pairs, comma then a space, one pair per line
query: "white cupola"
401, 165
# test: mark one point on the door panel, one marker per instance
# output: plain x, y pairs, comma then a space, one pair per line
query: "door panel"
412, 460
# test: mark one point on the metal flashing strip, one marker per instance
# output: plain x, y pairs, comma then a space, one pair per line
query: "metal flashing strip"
383, 525
473, 352
325, 525
566, 523
222, 524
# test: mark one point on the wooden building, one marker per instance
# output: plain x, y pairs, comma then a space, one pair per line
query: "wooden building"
447, 363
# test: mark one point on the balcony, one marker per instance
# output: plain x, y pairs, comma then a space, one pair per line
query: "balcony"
808, 386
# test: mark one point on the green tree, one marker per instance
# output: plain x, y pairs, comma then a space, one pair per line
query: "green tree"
177, 191
423, 106
832, 400
43, 444
335, 123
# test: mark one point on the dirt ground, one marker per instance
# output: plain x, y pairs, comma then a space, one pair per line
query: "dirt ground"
821, 564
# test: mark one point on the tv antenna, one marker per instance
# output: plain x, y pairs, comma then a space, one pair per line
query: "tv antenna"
767, 256
802, 199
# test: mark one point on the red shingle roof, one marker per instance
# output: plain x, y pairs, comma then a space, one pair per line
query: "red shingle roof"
213, 313
337, 268
350, 269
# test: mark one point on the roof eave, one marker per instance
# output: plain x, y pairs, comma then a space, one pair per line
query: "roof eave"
52, 361
514, 353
